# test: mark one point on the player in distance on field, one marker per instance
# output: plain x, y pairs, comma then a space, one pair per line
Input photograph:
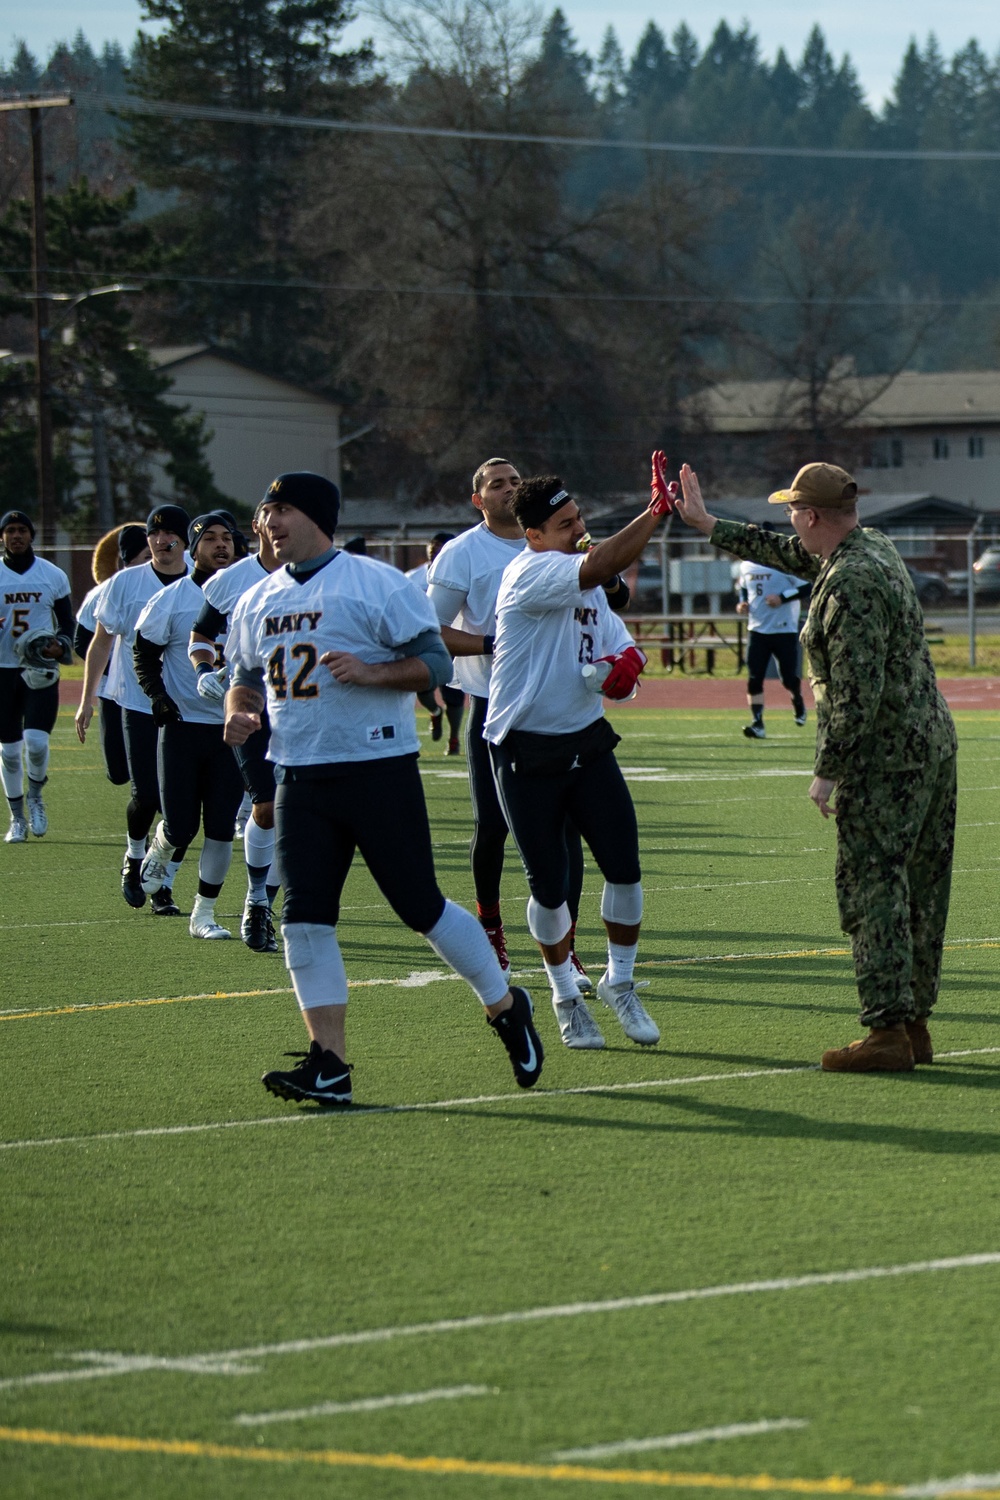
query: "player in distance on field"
35, 613
337, 645
770, 600
463, 581
553, 750
122, 547
200, 782
452, 696
885, 743
117, 610
221, 593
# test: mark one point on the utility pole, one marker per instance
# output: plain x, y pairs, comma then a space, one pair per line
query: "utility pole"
36, 106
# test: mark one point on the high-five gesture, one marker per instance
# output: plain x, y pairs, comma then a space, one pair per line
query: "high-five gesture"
663, 492
689, 504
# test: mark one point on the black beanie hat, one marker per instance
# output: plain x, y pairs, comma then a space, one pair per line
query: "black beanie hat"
131, 541
12, 517
201, 524
168, 518
314, 496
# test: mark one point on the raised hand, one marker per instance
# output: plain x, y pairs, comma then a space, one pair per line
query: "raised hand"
689, 504
663, 492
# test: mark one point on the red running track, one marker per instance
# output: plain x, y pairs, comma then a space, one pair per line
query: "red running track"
727, 692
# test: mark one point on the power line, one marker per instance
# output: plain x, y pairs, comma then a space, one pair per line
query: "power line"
516, 295
176, 110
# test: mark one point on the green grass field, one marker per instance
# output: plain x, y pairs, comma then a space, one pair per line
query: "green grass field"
183, 1256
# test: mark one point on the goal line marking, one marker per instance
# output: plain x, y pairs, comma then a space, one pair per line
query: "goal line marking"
480, 1468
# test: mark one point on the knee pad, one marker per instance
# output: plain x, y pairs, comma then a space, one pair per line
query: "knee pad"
622, 903
755, 686
548, 925
11, 755
314, 961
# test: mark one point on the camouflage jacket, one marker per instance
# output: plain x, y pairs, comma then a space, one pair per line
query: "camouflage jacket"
878, 706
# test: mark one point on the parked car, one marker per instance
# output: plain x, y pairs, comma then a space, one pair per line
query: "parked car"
986, 574
931, 588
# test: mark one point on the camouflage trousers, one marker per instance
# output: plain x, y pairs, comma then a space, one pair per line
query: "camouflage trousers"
895, 842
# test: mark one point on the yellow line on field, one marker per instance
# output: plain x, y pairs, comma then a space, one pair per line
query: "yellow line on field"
335, 1459
647, 963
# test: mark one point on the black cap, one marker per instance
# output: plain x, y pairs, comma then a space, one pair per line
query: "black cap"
201, 524
131, 541
314, 496
168, 518
17, 517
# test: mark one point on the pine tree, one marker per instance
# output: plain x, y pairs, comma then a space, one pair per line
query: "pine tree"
238, 187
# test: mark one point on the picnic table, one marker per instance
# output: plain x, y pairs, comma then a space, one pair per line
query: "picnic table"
681, 639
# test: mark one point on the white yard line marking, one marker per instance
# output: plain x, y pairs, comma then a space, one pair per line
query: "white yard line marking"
681, 1439
961, 1484
222, 1361
642, 775
364, 1111
369, 1403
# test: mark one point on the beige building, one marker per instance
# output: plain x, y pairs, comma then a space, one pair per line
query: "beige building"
916, 434
260, 426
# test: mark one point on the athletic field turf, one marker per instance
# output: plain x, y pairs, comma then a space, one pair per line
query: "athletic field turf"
703, 1266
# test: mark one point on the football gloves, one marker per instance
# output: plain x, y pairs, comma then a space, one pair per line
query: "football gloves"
211, 682
165, 710
663, 492
38, 669
625, 668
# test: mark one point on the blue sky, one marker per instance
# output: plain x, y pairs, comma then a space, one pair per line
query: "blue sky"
874, 32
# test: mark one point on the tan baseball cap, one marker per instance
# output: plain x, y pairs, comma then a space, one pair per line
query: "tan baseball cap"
822, 485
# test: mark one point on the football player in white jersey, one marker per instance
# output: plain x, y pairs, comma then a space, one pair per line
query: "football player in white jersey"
463, 581
122, 547
552, 749
34, 595
221, 593
337, 645
771, 602
453, 696
200, 781
117, 611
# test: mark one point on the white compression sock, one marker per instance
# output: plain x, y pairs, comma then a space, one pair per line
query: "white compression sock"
563, 980
172, 867
11, 769
621, 962
216, 857
136, 848
258, 850
315, 963
458, 938
36, 744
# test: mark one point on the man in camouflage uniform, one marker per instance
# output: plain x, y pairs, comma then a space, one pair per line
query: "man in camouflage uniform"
885, 740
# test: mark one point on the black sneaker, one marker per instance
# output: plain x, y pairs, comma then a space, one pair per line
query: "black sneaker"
320, 1076
256, 928
437, 724
131, 884
272, 941
516, 1030
163, 904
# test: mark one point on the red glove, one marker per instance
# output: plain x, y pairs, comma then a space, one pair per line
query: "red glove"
625, 668
663, 493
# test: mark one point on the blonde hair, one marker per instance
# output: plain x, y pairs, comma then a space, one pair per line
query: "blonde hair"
106, 559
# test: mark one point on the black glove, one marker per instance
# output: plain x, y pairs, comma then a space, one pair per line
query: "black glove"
165, 710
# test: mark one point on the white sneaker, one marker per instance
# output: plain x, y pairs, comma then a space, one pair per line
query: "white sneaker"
37, 818
153, 872
637, 1024
203, 926
17, 833
584, 983
577, 1026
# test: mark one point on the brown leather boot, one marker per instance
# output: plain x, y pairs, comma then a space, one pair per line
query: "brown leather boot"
920, 1040
885, 1050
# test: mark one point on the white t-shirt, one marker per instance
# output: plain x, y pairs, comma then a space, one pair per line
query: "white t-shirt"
463, 582
760, 581
86, 616
352, 604
26, 603
419, 575
117, 610
547, 631
166, 621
